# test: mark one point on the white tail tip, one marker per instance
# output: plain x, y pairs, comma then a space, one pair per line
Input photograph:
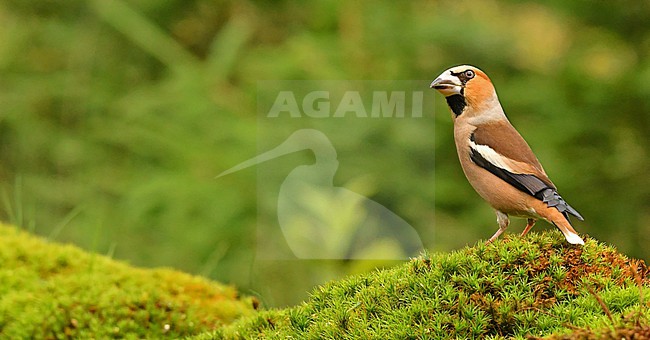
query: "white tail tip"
573, 238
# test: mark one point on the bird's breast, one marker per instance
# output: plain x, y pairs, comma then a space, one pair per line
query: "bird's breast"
499, 194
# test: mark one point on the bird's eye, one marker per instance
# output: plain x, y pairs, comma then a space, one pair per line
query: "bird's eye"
469, 74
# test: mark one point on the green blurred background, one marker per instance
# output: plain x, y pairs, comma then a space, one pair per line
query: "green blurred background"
116, 116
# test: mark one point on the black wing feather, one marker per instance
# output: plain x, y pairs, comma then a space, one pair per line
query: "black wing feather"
529, 184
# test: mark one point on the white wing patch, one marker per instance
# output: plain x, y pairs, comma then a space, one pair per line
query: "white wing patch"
491, 156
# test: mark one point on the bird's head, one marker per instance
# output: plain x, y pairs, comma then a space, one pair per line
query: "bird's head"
466, 88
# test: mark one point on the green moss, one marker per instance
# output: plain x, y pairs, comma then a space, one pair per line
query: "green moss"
56, 291
517, 287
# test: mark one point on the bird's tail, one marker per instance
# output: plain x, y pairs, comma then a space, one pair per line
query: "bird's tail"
569, 233
554, 200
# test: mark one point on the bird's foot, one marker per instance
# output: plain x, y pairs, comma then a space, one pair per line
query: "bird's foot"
503, 221
529, 225
496, 235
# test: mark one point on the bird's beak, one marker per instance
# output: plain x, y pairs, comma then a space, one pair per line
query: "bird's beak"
447, 84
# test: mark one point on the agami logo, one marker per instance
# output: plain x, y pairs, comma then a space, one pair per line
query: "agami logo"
323, 104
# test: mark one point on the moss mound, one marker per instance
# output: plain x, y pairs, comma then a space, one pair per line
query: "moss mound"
517, 287
55, 291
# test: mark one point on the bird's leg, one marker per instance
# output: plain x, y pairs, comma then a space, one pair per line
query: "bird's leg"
503, 221
529, 225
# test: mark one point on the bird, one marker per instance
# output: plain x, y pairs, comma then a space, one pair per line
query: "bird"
495, 158
322, 221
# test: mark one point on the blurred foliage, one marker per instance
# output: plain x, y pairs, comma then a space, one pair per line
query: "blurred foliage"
115, 117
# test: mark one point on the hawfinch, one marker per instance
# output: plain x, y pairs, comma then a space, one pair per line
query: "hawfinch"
496, 160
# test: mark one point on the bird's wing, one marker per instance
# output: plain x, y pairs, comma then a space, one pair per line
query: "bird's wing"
498, 148
501, 137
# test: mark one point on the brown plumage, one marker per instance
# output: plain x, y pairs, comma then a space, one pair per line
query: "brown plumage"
496, 160
513, 146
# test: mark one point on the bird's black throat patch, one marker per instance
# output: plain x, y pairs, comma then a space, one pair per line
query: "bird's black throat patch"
457, 103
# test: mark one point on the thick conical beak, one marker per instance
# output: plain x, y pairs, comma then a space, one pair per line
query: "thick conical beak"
447, 84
